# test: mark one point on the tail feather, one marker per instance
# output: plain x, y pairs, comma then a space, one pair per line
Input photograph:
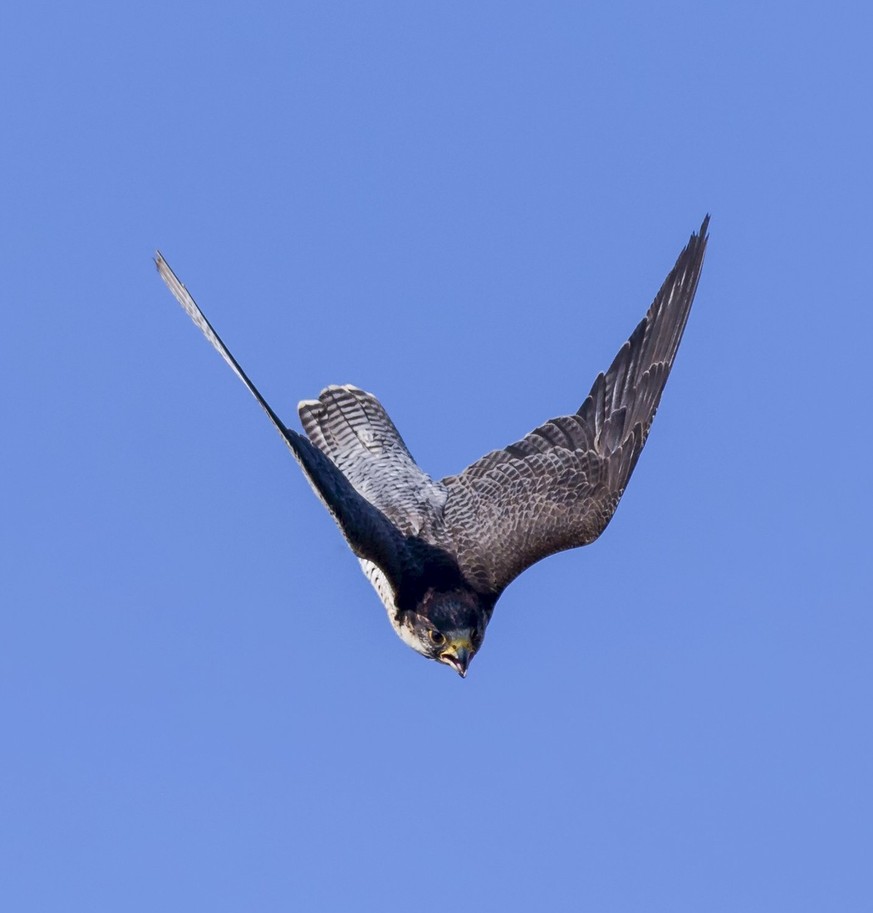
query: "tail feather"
354, 430
348, 423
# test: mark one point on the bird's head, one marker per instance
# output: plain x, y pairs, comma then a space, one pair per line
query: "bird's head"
447, 626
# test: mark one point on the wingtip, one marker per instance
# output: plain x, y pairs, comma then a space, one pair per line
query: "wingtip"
174, 283
704, 228
164, 269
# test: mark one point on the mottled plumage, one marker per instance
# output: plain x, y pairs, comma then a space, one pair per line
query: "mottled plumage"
440, 553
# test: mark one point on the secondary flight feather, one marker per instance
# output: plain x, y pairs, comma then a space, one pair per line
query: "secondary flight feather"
440, 552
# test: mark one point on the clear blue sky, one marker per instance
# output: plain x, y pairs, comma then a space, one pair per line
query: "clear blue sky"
465, 208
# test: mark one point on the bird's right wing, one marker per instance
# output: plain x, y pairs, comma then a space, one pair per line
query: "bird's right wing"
369, 533
558, 487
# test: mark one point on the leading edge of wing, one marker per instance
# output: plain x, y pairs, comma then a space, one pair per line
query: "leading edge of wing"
369, 533
183, 296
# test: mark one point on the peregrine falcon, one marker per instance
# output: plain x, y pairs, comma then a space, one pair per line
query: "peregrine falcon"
440, 553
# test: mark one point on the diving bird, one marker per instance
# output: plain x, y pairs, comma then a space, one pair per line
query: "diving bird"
440, 553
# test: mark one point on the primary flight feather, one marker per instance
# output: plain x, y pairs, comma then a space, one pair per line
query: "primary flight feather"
440, 553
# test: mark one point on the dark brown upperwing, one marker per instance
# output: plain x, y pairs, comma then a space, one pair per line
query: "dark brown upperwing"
558, 487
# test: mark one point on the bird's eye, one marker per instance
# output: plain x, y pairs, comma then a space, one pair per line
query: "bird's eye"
437, 638
476, 637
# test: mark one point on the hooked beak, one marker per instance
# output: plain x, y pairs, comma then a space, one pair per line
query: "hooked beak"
458, 655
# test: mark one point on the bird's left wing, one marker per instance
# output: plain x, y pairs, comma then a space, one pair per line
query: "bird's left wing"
558, 487
369, 533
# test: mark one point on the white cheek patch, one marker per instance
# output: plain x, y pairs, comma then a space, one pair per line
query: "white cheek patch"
381, 585
410, 639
